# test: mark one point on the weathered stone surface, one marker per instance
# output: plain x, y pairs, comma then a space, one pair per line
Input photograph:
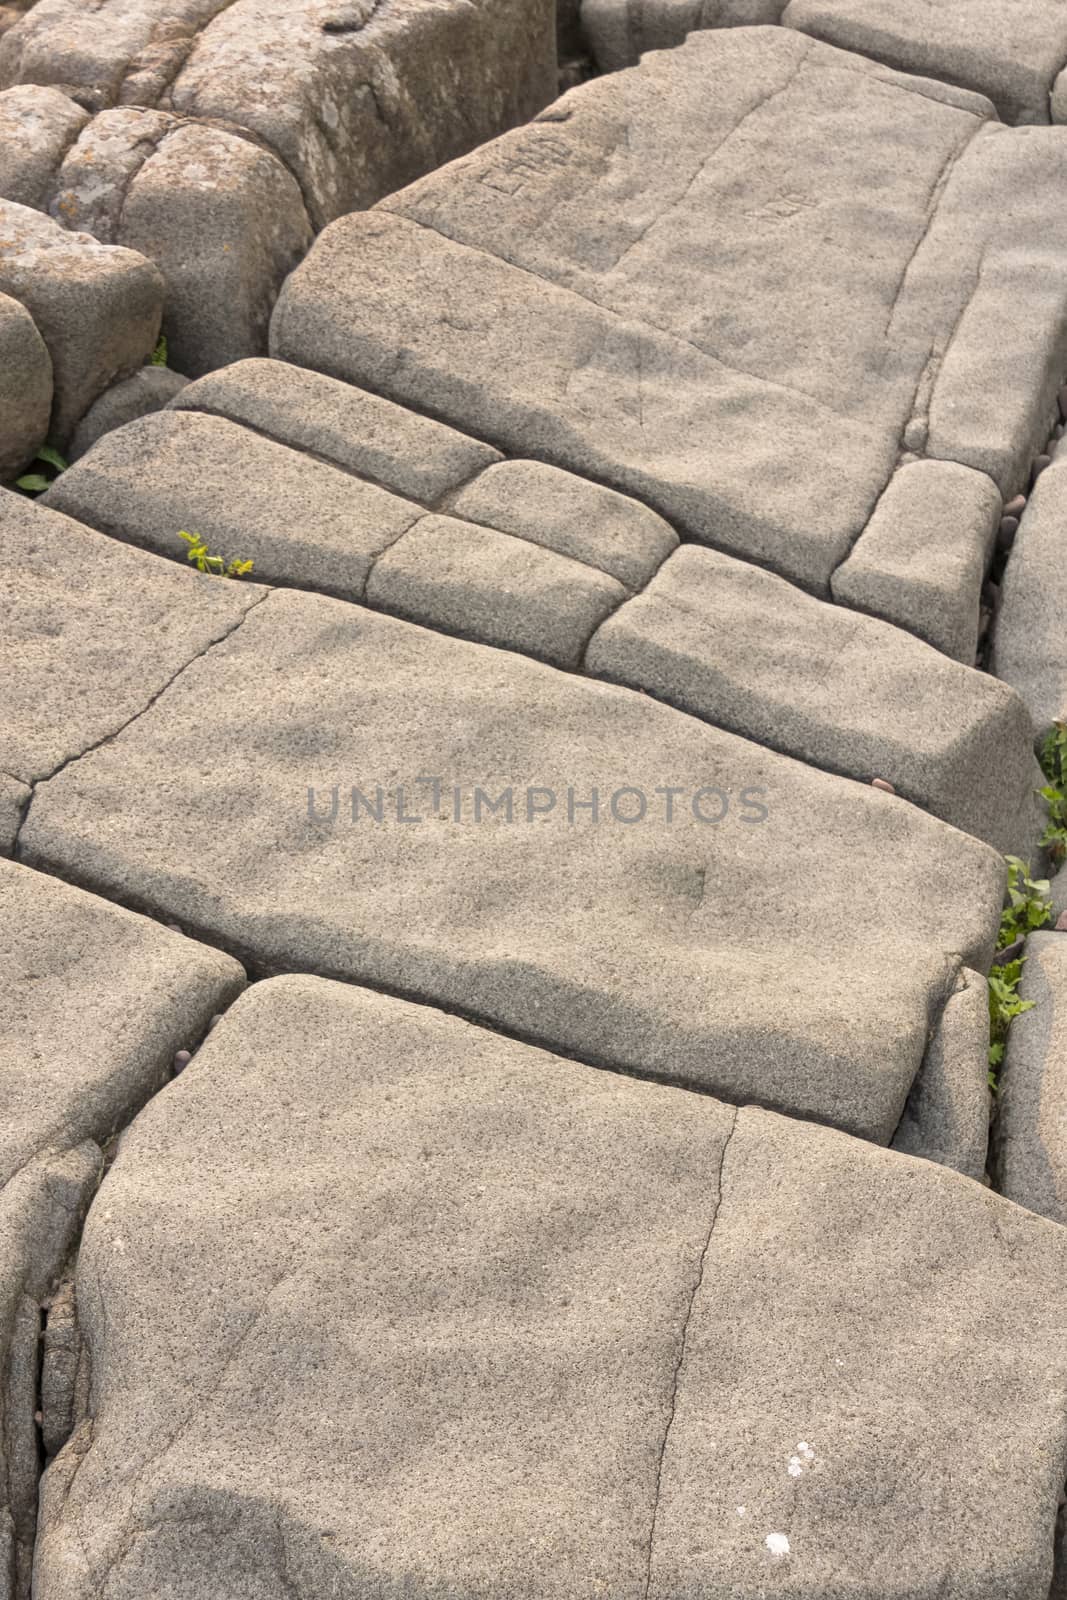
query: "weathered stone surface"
356, 99
1032, 1125
921, 559
221, 218
590, 1336
37, 127
604, 529
620, 31
1012, 53
491, 587
946, 1118
149, 389
300, 521
89, 631
98, 309
745, 650
25, 388
360, 98
1030, 634
117, 53
94, 1003
413, 455
680, 948
674, 314
13, 797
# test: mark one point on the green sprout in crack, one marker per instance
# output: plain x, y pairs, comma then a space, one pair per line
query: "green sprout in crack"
1027, 908
34, 483
158, 358
214, 566
1054, 765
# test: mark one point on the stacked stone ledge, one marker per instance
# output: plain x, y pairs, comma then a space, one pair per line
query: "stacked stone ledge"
216, 139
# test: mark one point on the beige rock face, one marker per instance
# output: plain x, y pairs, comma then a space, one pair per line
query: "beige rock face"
682, 313
1032, 1126
586, 1335
1030, 633
25, 388
678, 946
94, 1003
98, 309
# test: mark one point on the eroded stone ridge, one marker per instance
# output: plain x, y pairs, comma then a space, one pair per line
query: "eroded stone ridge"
1032, 1126
95, 1001
677, 311
586, 1335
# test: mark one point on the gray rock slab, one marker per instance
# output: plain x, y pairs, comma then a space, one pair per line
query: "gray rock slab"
13, 797
1058, 894
922, 557
492, 587
946, 1118
674, 315
150, 389
577, 518
1032, 1122
95, 1002
97, 308
403, 451
37, 127
679, 945
25, 388
1030, 632
90, 630
745, 650
587, 1337
300, 521
1011, 54
222, 219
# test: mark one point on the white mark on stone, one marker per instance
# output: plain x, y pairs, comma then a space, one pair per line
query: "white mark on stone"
777, 1544
804, 1457
740, 1511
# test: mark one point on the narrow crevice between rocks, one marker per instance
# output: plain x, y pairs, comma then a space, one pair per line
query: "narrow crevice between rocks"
680, 1362
107, 738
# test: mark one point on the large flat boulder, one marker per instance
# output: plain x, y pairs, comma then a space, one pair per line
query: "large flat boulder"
90, 631
1013, 52
567, 860
94, 1004
1032, 1121
677, 311
1030, 633
97, 308
745, 650
378, 1302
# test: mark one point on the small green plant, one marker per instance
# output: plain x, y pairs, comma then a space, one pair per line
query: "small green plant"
158, 358
34, 483
216, 566
1054, 766
1027, 908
